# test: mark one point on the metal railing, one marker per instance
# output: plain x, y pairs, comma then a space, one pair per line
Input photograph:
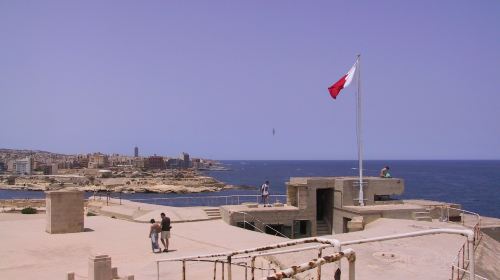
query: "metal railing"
316, 263
98, 196
253, 219
228, 257
253, 253
209, 200
461, 262
465, 272
470, 234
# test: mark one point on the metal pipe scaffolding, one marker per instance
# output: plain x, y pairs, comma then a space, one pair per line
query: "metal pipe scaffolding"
294, 270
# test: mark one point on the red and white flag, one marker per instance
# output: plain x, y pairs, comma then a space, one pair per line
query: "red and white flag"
344, 82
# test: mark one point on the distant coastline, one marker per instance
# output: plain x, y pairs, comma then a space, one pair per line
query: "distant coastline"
34, 170
471, 183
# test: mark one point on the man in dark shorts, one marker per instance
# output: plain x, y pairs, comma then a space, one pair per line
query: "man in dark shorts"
165, 231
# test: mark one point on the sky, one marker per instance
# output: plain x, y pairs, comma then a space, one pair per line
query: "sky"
214, 78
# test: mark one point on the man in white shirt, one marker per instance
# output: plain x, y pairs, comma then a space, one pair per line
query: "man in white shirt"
264, 192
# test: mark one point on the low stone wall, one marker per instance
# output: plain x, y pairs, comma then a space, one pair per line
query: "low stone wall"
22, 203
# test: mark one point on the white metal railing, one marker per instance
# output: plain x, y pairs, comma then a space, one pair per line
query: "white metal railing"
252, 253
264, 251
209, 200
462, 261
465, 272
470, 234
253, 219
316, 263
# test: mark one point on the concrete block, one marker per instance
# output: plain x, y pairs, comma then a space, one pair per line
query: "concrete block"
100, 267
355, 224
64, 211
114, 272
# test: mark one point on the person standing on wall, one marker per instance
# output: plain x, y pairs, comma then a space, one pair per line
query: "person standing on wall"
264, 192
165, 231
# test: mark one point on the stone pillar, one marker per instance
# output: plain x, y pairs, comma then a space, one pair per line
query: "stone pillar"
64, 212
100, 267
114, 272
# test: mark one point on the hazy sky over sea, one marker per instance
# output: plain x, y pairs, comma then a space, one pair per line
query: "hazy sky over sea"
213, 78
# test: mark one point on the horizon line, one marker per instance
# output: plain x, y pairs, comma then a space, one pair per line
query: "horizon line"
355, 159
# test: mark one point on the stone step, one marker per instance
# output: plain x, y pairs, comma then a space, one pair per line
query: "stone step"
213, 213
421, 214
427, 219
322, 228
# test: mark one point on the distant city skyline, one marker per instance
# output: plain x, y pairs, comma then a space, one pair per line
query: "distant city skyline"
178, 155
249, 80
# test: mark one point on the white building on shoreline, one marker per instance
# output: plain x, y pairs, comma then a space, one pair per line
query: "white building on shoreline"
24, 166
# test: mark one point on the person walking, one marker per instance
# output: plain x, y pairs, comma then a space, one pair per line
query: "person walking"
264, 192
154, 230
165, 231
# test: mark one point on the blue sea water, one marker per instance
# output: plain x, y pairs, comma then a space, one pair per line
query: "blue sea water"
475, 184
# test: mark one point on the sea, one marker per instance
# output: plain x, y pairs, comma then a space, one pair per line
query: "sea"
475, 184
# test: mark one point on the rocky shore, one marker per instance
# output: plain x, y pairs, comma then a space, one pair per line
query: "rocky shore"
179, 182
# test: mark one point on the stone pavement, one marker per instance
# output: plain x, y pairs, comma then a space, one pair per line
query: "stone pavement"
143, 212
28, 250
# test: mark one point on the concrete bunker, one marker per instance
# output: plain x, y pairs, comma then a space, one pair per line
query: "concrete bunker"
319, 206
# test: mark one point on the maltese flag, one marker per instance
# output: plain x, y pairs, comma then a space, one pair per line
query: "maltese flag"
344, 82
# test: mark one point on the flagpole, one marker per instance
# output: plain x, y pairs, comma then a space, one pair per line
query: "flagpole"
359, 132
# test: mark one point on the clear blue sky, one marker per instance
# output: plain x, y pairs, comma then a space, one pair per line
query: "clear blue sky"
213, 78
